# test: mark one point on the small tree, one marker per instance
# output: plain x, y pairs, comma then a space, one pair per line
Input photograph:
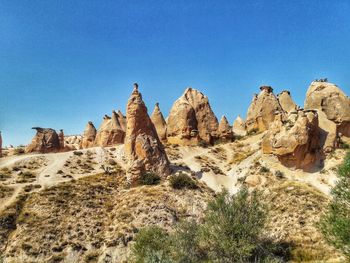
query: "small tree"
335, 225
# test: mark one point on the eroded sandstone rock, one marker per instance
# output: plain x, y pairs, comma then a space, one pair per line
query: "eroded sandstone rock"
89, 136
122, 120
45, 140
286, 101
296, 142
225, 131
330, 99
191, 119
159, 123
143, 148
238, 127
262, 110
73, 142
110, 133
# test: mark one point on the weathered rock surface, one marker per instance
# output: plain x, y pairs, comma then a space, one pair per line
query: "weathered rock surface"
61, 139
297, 142
159, 123
191, 119
328, 132
262, 110
110, 133
73, 142
89, 136
286, 101
122, 120
330, 99
225, 131
45, 140
143, 148
238, 127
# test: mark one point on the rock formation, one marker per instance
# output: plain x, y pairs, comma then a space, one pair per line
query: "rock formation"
73, 142
296, 143
286, 101
61, 139
143, 148
238, 127
122, 120
46, 140
330, 99
191, 119
262, 110
159, 122
225, 131
110, 133
89, 136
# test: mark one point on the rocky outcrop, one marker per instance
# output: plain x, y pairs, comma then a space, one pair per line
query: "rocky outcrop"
328, 132
191, 119
89, 136
73, 142
225, 131
143, 148
238, 127
159, 122
296, 142
286, 101
46, 140
262, 110
110, 133
61, 139
330, 99
122, 120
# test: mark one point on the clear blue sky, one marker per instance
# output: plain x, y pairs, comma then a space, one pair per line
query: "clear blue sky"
63, 63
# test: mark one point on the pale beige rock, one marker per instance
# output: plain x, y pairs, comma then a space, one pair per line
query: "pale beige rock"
330, 99
328, 132
45, 140
159, 123
224, 130
122, 120
238, 127
89, 136
74, 142
191, 119
295, 144
253, 180
110, 133
286, 101
143, 148
262, 110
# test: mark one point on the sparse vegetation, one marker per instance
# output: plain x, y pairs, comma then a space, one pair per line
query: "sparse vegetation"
279, 174
182, 181
149, 178
335, 225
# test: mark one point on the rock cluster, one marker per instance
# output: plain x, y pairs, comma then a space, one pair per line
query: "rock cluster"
110, 132
239, 126
143, 148
296, 142
331, 100
45, 140
159, 123
192, 120
89, 136
286, 101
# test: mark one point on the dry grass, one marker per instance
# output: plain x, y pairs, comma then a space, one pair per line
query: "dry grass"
5, 191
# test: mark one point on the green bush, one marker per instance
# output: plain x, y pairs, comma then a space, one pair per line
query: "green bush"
335, 224
182, 181
232, 231
149, 178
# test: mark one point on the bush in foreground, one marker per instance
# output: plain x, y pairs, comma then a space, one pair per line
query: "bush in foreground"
149, 178
231, 232
335, 225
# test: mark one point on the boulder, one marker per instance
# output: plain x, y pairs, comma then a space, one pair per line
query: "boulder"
89, 136
238, 127
110, 133
262, 110
286, 101
143, 148
46, 140
159, 122
191, 119
225, 131
330, 99
296, 142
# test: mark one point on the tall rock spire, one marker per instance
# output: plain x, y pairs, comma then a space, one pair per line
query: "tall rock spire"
159, 122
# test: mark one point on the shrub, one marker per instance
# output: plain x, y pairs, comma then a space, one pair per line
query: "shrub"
335, 224
264, 169
149, 178
78, 153
151, 245
279, 174
19, 150
182, 181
